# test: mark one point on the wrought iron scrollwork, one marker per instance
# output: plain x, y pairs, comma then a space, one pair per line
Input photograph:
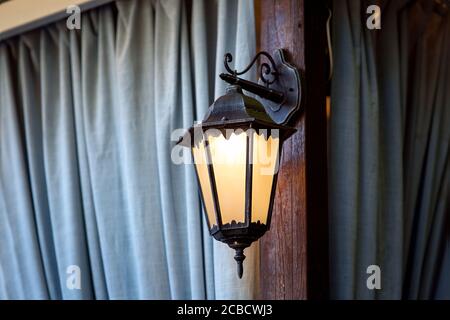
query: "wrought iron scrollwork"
279, 86
264, 70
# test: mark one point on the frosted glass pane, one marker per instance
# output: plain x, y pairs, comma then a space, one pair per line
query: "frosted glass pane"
199, 155
265, 163
229, 162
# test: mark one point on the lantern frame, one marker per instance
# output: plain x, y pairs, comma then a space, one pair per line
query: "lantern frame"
237, 111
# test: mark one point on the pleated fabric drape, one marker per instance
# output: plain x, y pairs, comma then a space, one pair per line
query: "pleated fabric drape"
86, 176
389, 151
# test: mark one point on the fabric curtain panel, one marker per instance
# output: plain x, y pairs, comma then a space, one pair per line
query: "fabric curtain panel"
86, 176
389, 151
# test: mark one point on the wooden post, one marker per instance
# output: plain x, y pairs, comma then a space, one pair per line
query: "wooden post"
294, 253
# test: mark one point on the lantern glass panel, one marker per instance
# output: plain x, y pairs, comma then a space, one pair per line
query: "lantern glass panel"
229, 157
265, 165
199, 154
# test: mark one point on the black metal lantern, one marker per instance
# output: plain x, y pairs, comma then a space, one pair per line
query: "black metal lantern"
236, 151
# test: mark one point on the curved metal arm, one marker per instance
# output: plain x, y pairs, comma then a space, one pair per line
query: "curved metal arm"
263, 92
265, 68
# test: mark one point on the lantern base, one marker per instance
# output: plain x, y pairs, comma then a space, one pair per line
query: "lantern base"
239, 236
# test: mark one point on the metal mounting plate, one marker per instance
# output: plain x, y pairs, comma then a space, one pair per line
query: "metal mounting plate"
289, 83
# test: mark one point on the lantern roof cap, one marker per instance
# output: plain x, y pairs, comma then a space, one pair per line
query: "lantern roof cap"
235, 105
235, 110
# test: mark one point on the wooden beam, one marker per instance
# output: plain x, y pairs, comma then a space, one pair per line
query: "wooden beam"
294, 253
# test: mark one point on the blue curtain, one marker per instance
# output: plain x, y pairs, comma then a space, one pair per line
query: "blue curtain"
389, 151
86, 176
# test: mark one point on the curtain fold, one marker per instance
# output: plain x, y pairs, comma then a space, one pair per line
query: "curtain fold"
389, 151
86, 175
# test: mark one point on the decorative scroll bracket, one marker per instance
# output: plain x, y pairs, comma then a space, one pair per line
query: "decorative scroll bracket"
278, 89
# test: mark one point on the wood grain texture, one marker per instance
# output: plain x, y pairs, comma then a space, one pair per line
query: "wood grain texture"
294, 253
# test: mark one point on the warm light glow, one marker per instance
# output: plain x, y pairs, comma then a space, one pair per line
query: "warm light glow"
229, 166
265, 165
229, 163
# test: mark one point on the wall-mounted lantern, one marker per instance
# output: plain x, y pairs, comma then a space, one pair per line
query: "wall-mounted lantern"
236, 150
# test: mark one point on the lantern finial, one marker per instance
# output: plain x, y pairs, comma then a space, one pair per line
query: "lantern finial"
240, 257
